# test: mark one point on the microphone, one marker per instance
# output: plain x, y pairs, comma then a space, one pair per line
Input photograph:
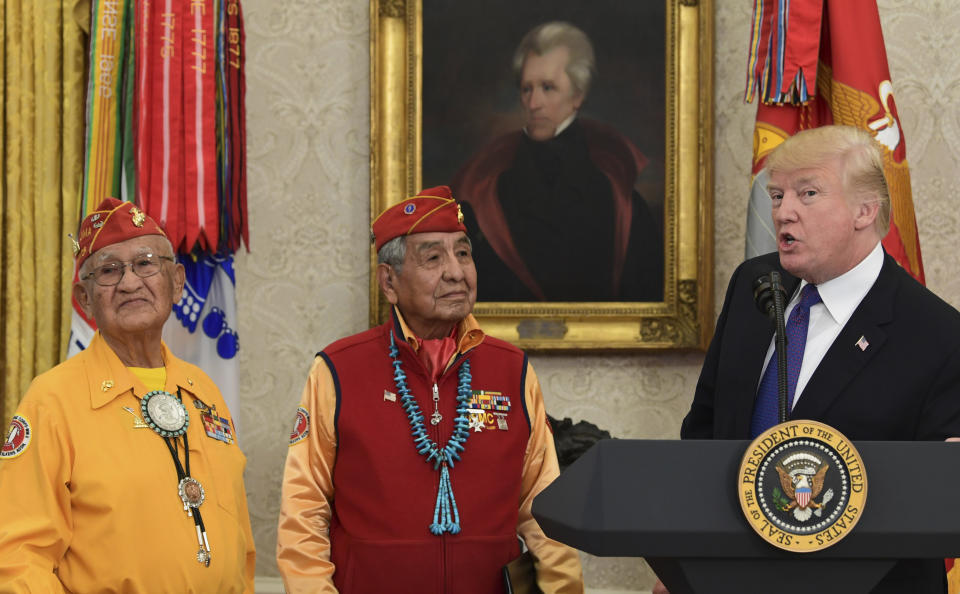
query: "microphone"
763, 293
771, 297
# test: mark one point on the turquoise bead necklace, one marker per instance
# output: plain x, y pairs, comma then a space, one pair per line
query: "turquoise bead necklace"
446, 517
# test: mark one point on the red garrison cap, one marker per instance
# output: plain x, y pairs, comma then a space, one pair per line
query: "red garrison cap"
433, 209
113, 221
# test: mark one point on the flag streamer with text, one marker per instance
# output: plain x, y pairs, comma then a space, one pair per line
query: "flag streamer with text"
165, 117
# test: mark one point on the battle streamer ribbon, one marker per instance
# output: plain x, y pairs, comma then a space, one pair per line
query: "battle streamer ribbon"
236, 106
199, 132
110, 33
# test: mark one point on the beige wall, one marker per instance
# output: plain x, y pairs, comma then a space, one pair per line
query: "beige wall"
305, 282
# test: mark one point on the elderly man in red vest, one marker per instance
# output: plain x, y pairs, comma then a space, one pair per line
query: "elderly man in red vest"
420, 444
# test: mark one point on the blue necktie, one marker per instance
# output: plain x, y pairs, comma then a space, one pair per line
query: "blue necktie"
766, 408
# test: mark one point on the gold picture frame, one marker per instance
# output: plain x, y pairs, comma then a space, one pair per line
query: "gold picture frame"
684, 318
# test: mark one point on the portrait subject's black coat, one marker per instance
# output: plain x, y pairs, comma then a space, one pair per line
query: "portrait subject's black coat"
560, 220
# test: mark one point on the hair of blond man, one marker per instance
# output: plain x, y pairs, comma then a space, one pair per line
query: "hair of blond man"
861, 161
540, 40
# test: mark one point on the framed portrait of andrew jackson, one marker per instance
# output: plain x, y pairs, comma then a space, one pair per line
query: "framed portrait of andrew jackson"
577, 137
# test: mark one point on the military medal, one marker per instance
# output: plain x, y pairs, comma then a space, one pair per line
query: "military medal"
488, 410
476, 421
164, 413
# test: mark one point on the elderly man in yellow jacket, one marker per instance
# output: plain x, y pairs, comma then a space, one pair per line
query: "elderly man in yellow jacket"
120, 471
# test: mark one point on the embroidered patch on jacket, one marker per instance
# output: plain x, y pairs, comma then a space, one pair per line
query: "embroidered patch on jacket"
301, 426
17, 438
488, 410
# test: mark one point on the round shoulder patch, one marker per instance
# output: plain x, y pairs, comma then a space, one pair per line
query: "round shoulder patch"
301, 426
17, 438
802, 486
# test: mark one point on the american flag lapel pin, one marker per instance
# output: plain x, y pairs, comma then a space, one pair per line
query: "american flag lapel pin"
862, 343
389, 396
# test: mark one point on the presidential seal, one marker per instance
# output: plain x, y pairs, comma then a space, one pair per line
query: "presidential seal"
164, 413
802, 486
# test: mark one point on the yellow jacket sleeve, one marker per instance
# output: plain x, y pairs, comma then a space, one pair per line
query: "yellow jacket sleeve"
250, 567
36, 524
558, 566
303, 533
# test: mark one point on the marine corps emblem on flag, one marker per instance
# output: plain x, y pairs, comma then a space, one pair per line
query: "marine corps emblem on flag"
17, 438
301, 426
802, 486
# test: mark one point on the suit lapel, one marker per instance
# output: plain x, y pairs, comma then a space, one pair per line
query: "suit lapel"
845, 359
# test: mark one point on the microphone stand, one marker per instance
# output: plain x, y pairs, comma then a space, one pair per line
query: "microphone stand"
780, 342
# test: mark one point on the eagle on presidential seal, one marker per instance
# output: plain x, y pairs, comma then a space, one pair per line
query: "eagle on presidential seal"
802, 476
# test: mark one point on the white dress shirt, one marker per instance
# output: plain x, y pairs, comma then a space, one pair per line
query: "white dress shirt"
839, 298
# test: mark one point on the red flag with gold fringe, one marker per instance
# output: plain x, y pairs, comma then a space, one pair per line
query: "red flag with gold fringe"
820, 62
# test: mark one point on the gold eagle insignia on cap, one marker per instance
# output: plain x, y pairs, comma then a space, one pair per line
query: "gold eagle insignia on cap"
459, 214
138, 217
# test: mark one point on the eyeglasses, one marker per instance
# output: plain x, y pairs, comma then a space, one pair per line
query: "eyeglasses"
110, 274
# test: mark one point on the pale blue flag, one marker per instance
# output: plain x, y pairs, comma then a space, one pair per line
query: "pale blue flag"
761, 238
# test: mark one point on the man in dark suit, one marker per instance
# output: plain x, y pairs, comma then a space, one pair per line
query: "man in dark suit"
882, 353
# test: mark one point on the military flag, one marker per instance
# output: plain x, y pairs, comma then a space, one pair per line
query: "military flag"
203, 329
